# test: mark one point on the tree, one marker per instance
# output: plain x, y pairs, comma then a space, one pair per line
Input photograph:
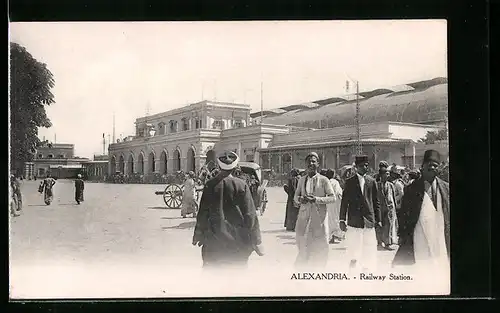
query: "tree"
433, 136
30, 85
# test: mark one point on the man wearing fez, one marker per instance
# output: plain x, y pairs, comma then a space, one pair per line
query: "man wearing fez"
360, 204
227, 226
424, 221
313, 193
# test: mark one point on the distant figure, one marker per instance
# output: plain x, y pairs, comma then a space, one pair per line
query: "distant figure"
336, 234
13, 205
387, 234
17, 191
292, 209
189, 205
46, 187
227, 226
79, 187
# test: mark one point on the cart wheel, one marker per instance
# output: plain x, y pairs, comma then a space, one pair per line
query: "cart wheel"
173, 196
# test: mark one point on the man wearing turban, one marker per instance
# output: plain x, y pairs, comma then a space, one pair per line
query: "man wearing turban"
424, 223
227, 226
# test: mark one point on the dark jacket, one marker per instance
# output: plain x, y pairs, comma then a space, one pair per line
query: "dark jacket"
361, 210
227, 218
409, 214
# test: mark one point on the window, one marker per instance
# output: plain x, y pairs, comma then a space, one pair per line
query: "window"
50, 156
197, 123
173, 126
218, 124
61, 156
185, 124
161, 128
40, 156
238, 123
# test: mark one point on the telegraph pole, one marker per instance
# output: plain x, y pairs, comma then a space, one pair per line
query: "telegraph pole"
261, 101
114, 127
358, 126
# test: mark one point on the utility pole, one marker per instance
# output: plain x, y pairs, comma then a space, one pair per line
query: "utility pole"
358, 126
113, 128
261, 101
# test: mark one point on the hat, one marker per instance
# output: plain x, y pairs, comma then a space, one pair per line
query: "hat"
228, 160
383, 164
432, 156
79, 175
360, 159
191, 174
312, 154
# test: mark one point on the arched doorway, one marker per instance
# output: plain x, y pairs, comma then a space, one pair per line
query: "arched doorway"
163, 162
140, 164
130, 165
121, 166
151, 162
210, 161
113, 165
177, 160
191, 166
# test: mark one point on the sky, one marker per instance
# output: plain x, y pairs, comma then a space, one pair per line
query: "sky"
124, 68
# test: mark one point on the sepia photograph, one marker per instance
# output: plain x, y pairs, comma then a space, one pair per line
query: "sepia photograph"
228, 159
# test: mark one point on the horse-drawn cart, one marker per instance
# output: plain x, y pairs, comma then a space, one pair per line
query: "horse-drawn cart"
173, 193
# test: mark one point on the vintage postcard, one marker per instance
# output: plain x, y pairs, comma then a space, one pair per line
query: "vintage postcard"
224, 159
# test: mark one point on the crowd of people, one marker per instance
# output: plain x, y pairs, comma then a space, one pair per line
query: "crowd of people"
46, 188
390, 211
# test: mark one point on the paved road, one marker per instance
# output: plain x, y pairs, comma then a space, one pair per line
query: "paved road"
123, 242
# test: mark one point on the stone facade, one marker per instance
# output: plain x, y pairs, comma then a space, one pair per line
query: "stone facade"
276, 147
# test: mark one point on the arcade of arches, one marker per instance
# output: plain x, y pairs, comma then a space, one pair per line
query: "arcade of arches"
162, 164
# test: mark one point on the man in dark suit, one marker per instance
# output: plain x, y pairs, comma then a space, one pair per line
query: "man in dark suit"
361, 206
424, 221
227, 226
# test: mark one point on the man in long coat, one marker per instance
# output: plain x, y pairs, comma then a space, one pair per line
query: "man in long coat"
79, 187
227, 226
313, 193
361, 206
292, 210
424, 221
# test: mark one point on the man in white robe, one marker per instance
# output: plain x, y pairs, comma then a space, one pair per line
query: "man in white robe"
313, 193
424, 224
336, 234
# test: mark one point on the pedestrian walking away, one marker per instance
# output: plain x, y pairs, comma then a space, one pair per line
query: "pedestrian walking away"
227, 226
313, 193
361, 207
79, 187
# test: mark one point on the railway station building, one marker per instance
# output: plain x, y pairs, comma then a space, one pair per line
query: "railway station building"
393, 120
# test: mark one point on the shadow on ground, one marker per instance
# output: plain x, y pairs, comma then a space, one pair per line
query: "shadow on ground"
185, 225
274, 231
291, 237
163, 208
